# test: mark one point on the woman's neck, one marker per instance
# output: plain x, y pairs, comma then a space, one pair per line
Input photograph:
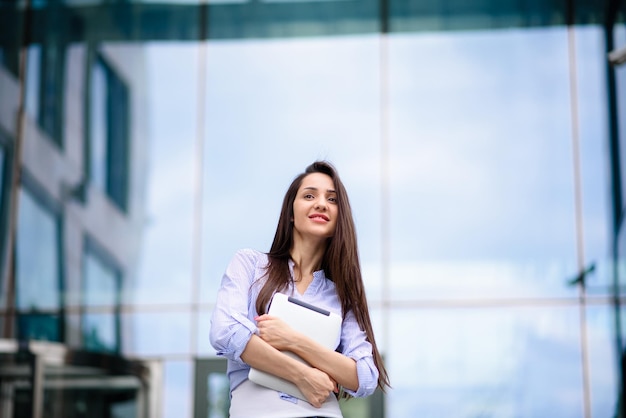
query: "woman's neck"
307, 257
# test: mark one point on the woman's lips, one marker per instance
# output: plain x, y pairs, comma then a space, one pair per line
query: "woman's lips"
318, 217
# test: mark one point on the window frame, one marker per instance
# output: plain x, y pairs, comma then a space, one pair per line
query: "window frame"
6, 179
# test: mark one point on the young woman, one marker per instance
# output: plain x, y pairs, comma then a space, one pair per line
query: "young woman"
314, 258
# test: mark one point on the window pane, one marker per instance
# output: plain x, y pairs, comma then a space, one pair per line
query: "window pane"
597, 225
485, 362
109, 129
33, 82
100, 332
118, 142
37, 257
481, 165
44, 327
37, 271
99, 127
52, 101
603, 375
154, 334
218, 395
177, 389
165, 265
101, 288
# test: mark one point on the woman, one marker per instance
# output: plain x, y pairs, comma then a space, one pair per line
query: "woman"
314, 258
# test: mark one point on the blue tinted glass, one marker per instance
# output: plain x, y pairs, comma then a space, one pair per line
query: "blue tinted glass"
177, 401
33, 82
165, 266
481, 203
101, 282
158, 333
100, 332
592, 117
37, 256
485, 362
99, 126
44, 327
601, 324
482, 185
218, 395
101, 287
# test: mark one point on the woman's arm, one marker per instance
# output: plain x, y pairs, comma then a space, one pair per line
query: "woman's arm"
280, 336
230, 326
314, 384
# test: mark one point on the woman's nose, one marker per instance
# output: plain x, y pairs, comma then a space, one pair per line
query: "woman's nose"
320, 204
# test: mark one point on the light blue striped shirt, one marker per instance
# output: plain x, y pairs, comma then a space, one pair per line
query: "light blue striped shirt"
232, 322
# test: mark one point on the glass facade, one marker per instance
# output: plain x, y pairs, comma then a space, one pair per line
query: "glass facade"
481, 143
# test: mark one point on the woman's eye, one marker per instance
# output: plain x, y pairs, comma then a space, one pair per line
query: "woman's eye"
332, 199
308, 196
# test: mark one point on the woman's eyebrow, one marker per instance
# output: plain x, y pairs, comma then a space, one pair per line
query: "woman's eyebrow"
315, 189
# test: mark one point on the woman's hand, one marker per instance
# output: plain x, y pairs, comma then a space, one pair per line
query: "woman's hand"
316, 386
275, 332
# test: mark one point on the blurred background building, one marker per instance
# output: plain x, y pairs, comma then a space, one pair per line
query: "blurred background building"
142, 143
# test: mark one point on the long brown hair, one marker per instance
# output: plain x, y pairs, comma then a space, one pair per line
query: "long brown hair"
340, 262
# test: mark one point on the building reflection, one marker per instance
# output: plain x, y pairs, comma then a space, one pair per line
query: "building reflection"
142, 143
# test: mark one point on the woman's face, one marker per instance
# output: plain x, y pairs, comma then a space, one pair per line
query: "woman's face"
315, 208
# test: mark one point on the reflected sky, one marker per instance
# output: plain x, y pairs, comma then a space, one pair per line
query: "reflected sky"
481, 194
496, 362
482, 151
481, 154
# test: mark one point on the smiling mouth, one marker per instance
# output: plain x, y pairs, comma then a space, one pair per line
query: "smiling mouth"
319, 216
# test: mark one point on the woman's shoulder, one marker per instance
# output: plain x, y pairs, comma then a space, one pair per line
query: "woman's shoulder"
251, 256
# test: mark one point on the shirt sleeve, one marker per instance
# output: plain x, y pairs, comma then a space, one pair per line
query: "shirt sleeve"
354, 344
231, 326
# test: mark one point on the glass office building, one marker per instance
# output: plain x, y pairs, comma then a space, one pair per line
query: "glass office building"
143, 143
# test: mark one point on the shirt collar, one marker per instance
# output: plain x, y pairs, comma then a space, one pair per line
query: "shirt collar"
319, 276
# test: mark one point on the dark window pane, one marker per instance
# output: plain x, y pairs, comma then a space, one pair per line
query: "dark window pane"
118, 141
109, 127
39, 327
52, 85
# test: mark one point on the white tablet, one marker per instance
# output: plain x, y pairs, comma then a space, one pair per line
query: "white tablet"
318, 324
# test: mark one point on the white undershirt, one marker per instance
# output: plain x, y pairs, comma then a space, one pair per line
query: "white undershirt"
250, 400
